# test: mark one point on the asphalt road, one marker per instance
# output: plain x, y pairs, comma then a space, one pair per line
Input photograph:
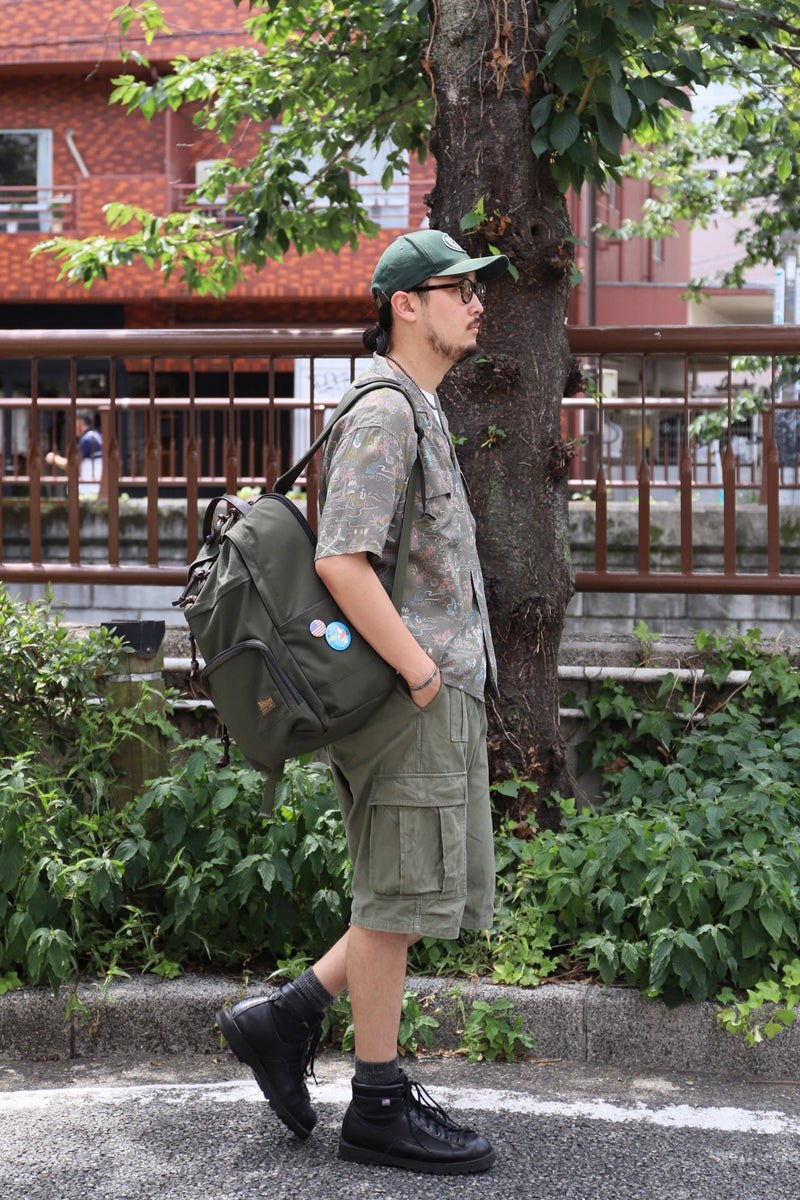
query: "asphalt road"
196, 1128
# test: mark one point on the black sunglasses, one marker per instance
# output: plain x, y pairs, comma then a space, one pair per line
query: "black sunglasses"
466, 287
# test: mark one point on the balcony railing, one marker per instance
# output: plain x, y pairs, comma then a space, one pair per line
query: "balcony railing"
400, 206
55, 209
37, 210
673, 420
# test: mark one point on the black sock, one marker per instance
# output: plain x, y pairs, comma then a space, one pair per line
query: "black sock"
310, 987
377, 1073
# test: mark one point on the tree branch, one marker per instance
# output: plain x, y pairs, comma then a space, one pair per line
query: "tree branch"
739, 10
587, 91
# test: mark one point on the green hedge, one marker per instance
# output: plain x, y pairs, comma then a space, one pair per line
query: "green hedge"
683, 883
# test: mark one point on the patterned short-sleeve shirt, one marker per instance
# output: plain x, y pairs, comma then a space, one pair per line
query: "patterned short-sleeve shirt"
365, 471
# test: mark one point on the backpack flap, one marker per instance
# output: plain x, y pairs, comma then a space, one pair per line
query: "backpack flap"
215, 525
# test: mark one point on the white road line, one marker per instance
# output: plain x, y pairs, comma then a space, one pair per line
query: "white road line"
675, 1116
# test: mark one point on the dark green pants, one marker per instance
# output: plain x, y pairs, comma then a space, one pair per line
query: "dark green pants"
413, 787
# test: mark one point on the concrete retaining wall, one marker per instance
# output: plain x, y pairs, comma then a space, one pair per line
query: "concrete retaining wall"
578, 1023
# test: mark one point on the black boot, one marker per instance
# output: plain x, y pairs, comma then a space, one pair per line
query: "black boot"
399, 1125
277, 1036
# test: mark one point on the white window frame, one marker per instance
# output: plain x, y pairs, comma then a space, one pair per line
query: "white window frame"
43, 185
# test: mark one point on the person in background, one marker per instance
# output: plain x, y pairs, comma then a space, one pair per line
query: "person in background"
90, 449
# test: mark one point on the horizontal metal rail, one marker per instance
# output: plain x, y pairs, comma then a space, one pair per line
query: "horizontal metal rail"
186, 413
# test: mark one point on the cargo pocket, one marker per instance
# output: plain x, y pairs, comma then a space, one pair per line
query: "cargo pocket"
418, 835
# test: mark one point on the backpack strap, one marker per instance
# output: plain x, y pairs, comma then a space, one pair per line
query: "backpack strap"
209, 524
351, 396
416, 478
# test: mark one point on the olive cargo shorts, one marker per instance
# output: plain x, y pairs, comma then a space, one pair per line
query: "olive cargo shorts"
413, 788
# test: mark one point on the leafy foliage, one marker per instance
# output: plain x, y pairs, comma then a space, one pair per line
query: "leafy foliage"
319, 85
492, 1030
232, 885
58, 881
685, 884
418, 1020
688, 879
740, 161
187, 874
50, 682
312, 86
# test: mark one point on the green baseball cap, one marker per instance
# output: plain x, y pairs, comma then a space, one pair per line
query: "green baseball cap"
415, 257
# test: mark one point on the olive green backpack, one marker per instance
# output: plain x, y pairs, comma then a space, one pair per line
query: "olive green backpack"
286, 671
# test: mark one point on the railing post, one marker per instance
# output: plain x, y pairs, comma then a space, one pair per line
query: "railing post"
105, 435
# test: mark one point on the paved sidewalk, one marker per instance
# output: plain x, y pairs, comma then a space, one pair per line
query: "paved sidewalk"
575, 1023
196, 1127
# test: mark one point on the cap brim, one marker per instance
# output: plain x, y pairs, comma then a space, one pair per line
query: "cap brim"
491, 267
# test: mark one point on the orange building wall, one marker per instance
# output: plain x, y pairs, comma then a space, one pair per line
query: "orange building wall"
57, 60
109, 141
80, 32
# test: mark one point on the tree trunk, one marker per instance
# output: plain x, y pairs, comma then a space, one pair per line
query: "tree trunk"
506, 401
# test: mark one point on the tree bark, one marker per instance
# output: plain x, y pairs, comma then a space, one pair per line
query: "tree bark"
506, 401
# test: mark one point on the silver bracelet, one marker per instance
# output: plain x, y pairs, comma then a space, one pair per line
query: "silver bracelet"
420, 687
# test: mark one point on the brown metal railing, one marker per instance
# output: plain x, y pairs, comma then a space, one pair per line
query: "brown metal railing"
187, 414
768, 477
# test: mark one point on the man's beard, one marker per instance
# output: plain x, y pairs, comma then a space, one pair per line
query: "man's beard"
449, 350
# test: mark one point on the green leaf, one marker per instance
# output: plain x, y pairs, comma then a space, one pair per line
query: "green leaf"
772, 920
567, 74
738, 897
12, 860
648, 89
609, 131
621, 105
564, 130
541, 111
562, 11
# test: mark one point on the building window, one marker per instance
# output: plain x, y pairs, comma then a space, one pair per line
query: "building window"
388, 207
26, 180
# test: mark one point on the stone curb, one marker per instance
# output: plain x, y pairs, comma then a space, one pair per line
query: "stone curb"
577, 1023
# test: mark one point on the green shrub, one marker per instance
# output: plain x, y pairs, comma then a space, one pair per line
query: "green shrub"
684, 883
226, 885
688, 878
492, 1030
60, 888
50, 687
186, 876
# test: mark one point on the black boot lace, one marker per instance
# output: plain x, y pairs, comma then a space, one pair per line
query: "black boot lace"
428, 1113
310, 1051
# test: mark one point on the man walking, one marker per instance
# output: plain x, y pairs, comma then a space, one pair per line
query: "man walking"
90, 450
413, 782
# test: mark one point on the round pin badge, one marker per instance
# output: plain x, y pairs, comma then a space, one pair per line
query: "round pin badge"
317, 628
337, 635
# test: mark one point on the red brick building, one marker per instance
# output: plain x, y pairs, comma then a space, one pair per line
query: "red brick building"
67, 153
635, 282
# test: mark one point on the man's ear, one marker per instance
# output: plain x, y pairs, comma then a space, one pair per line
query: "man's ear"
403, 307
